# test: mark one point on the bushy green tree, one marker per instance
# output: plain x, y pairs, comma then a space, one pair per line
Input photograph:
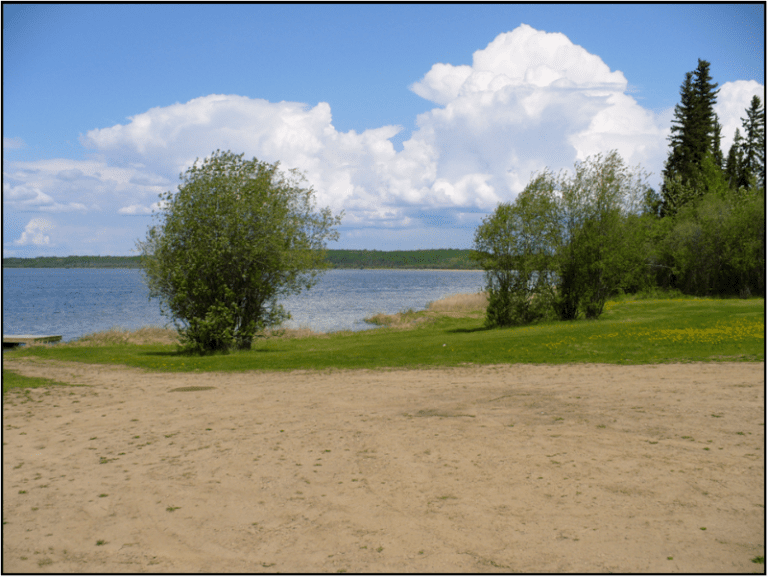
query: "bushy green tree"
596, 255
238, 235
565, 244
515, 246
745, 242
716, 245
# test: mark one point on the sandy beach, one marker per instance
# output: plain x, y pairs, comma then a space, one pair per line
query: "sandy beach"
577, 468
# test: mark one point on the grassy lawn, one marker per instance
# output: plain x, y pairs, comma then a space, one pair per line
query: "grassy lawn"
629, 332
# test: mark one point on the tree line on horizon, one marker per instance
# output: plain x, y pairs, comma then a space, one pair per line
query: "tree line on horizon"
442, 258
569, 241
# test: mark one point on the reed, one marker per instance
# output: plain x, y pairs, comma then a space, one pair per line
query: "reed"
460, 303
121, 336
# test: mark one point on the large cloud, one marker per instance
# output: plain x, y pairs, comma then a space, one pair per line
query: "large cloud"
732, 103
529, 100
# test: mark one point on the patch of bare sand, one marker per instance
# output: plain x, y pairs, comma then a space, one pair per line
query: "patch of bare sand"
585, 468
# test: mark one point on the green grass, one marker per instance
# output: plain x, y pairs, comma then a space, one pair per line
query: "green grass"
13, 380
629, 332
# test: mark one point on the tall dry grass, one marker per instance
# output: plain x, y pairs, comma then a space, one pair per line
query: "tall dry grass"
460, 303
453, 305
164, 336
402, 320
121, 336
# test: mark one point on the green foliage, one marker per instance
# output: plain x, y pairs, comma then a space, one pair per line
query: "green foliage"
630, 331
73, 262
441, 258
565, 244
716, 245
12, 380
695, 132
735, 162
753, 160
515, 247
597, 256
237, 236
401, 259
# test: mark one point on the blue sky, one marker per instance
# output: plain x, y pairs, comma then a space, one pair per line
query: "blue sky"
416, 120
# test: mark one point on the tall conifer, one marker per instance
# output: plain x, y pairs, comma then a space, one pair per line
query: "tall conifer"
735, 161
753, 146
695, 133
717, 151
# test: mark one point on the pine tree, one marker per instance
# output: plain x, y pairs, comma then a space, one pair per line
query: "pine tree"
753, 146
704, 129
695, 133
735, 161
717, 151
679, 154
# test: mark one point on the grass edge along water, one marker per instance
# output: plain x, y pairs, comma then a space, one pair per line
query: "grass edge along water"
631, 331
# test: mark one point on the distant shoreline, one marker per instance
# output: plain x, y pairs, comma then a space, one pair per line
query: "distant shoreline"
431, 259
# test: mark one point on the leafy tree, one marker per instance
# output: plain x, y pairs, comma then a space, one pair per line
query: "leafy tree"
515, 246
566, 243
745, 242
711, 178
238, 235
596, 255
716, 245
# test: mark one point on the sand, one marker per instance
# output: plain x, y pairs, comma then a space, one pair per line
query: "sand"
573, 468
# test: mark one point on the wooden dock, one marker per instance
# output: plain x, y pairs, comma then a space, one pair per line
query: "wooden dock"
15, 340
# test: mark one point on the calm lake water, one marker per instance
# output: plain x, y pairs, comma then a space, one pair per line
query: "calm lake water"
76, 302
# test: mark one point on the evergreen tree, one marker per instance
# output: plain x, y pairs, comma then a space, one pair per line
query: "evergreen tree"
704, 129
717, 151
695, 133
735, 161
753, 146
679, 139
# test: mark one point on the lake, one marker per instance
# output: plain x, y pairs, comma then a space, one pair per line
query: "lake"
76, 302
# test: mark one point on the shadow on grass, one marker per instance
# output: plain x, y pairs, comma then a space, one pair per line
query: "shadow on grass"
188, 355
472, 330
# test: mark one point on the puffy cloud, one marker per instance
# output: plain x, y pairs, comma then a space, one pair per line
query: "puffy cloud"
529, 100
35, 233
732, 103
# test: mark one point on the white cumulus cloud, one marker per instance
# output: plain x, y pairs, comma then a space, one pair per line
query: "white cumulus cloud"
35, 233
529, 100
